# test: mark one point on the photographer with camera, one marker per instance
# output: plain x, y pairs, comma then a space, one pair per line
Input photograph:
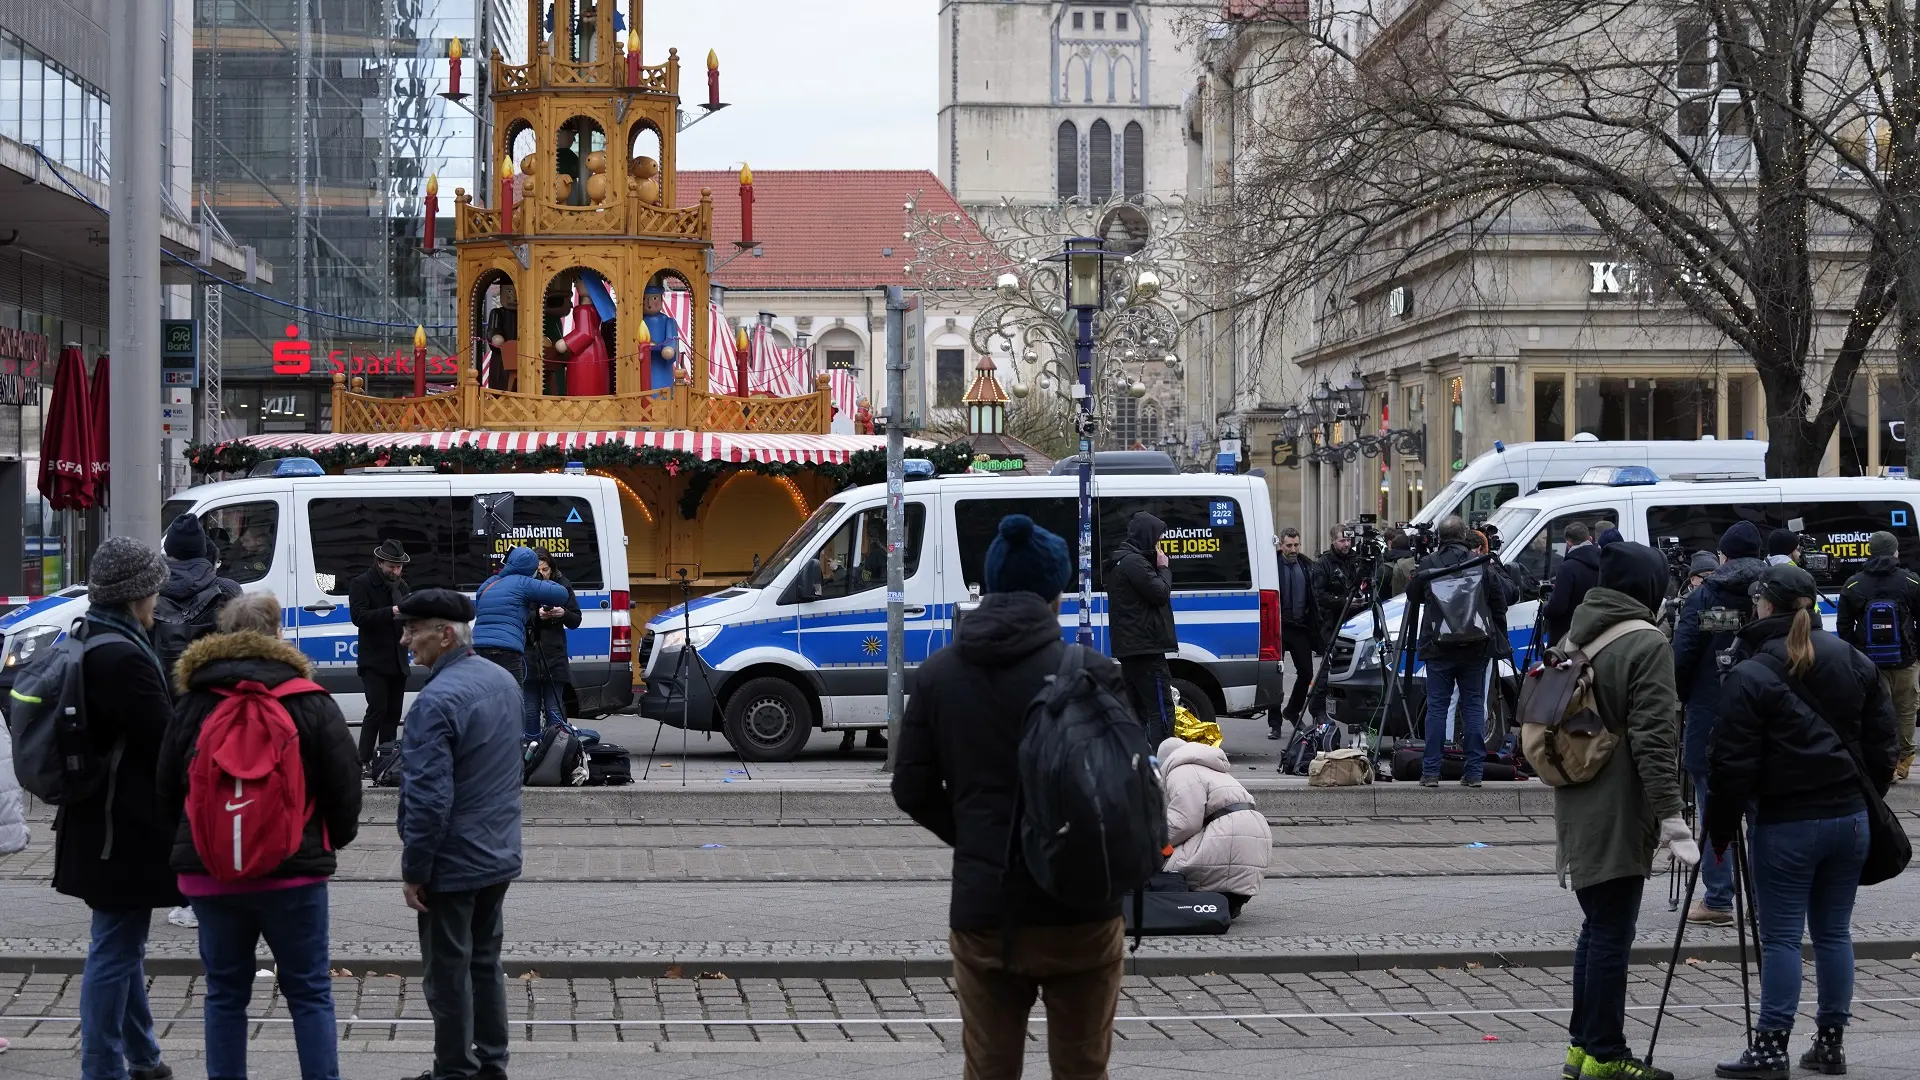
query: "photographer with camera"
1783, 546
1712, 614
1396, 566
1878, 610
1579, 571
1463, 627
1337, 573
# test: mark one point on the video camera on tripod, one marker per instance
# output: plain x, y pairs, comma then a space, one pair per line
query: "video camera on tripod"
1368, 543
1813, 559
1421, 537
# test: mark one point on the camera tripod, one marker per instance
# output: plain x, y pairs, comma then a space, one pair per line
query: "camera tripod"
1745, 918
689, 658
1365, 586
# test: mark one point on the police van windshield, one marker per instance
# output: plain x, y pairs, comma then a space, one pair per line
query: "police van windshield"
801, 541
1441, 503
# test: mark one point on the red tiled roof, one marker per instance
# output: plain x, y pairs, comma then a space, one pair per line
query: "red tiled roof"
823, 229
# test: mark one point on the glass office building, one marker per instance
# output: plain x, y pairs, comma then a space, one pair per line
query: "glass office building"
317, 124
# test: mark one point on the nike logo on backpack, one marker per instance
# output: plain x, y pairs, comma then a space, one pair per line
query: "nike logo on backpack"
231, 807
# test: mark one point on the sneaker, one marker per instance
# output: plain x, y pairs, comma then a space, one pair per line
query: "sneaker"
1273, 736
183, 916
162, 1071
1903, 767
1576, 1058
1429, 781
1703, 915
1626, 1068
3, 1046
1469, 783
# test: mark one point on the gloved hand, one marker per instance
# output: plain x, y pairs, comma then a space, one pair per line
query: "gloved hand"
1676, 837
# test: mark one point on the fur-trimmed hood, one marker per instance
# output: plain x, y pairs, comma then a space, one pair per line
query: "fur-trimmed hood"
196, 668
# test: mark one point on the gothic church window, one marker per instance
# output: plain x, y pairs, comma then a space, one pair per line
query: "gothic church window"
1067, 161
1100, 161
1133, 161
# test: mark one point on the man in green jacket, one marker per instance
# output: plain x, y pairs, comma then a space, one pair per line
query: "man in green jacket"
1610, 828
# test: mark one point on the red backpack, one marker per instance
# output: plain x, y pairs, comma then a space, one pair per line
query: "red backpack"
246, 786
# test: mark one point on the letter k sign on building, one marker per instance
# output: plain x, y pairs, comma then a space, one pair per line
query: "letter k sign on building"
1610, 278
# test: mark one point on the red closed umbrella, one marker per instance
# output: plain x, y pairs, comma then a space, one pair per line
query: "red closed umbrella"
102, 466
66, 446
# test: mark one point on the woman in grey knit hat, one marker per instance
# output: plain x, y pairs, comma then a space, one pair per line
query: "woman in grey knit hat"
111, 851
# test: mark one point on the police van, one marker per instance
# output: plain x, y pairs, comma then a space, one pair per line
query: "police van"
303, 536
1508, 472
1836, 515
802, 643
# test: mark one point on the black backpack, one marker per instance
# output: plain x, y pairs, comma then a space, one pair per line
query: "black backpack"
1456, 611
556, 759
1092, 823
1306, 744
178, 624
54, 756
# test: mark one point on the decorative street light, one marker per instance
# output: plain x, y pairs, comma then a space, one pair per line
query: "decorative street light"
1086, 294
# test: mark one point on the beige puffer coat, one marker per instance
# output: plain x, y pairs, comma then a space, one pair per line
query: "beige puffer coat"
1231, 854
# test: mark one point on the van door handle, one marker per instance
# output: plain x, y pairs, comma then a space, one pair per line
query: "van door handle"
915, 611
321, 608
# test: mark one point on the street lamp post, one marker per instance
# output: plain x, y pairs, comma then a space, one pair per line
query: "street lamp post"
1085, 283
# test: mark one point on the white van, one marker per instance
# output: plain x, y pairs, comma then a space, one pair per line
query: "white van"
304, 537
780, 660
1685, 517
1508, 472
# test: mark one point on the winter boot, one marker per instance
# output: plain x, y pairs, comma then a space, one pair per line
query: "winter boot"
1626, 1068
1766, 1059
1826, 1055
1576, 1058
1903, 767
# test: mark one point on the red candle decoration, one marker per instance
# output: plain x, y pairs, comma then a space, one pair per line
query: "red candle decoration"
454, 53
419, 361
633, 58
713, 79
743, 360
746, 206
433, 206
506, 195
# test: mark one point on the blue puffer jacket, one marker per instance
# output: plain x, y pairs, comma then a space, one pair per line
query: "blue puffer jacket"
503, 601
460, 759
1696, 672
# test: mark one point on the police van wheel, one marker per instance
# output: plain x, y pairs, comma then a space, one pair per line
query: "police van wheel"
768, 720
1196, 700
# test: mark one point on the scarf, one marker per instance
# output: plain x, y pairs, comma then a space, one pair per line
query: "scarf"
118, 619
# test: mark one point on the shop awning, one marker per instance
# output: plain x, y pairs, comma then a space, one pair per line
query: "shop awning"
707, 445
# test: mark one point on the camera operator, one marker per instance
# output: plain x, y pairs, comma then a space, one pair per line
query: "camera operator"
1878, 611
1299, 633
1335, 576
1396, 566
1783, 546
1707, 625
1579, 571
1462, 628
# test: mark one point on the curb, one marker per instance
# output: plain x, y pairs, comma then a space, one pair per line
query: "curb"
886, 967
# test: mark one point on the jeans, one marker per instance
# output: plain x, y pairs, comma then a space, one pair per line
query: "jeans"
1469, 678
116, 1026
1148, 679
1716, 871
465, 986
542, 705
1075, 969
294, 922
1600, 956
1805, 874
514, 661
385, 695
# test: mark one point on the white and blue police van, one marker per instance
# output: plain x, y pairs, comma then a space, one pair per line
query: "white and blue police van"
1835, 515
302, 535
801, 644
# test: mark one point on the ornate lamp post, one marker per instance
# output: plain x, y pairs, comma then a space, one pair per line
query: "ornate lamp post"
1086, 294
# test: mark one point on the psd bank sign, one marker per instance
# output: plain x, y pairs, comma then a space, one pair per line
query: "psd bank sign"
295, 357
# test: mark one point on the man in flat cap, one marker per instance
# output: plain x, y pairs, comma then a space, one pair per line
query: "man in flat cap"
459, 830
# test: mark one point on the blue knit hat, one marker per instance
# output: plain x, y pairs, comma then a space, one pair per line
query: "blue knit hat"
1027, 558
1742, 541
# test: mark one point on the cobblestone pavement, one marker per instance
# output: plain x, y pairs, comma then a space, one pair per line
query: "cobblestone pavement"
1501, 1022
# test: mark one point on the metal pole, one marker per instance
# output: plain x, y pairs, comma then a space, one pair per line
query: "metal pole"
134, 268
1083, 390
897, 309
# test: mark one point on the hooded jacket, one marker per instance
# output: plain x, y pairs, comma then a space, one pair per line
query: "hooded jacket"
1229, 854
327, 752
195, 593
1773, 750
957, 767
503, 602
1579, 571
1695, 671
1140, 593
1883, 578
1609, 827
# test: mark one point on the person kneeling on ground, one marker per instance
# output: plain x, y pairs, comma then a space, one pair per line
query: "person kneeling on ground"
1609, 829
1221, 841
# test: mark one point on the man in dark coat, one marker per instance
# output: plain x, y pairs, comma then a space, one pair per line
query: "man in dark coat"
191, 598
1884, 581
1696, 674
373, 600
957, 775
1300, 634
1140, 621
548, 671
1460, 665
111, 850
1336, 575
1579, 571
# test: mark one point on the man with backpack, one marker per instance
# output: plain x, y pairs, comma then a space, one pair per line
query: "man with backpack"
254, 846
191, 598
1878, 609
459, 821
1463, 627
961, 760
1608, 827
373, 600
1140, 621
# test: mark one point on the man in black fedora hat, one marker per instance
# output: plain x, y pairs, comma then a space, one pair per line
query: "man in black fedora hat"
373, 599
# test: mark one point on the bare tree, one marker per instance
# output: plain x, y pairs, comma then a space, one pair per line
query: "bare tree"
1704, 142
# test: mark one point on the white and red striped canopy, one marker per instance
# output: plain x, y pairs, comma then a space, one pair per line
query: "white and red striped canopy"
733, 447
778, 372
722, 369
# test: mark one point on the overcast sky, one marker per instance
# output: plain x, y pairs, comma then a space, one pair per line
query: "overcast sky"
814, 84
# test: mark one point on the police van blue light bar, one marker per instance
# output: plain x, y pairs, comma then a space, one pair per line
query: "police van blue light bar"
917, 469
1619, 476
287, 466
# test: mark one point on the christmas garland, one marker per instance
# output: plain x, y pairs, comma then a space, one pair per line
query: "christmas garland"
864, 467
